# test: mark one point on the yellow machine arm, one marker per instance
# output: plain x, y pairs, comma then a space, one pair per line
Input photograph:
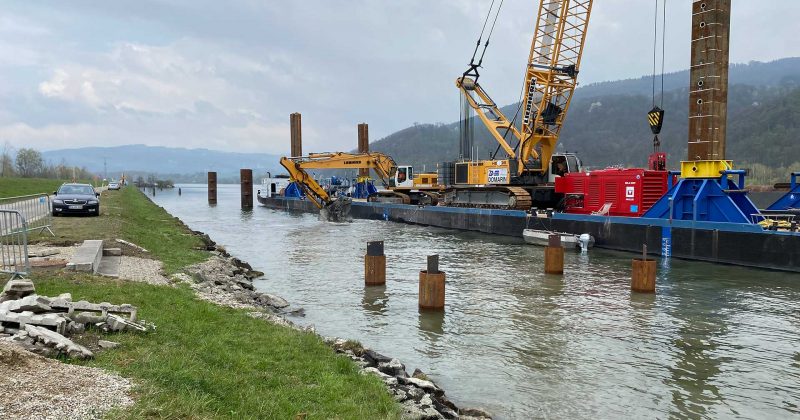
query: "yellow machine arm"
550, 79
383, 165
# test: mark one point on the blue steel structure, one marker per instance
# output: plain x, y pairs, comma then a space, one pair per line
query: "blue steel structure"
364, 188
707, 200
293, 191
790, 200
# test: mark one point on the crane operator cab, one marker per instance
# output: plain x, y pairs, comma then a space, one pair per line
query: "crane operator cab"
562, 164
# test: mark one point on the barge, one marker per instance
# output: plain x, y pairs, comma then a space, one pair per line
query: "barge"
747, 245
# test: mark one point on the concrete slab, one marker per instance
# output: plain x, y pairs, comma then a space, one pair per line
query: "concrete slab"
109, 266
87, 256
113, 252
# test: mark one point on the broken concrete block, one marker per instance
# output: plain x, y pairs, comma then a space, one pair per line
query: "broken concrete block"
43, 253
32, 303
118, 323
20, 320
86, 318
112, 252
58, 342
104, 344
16, 289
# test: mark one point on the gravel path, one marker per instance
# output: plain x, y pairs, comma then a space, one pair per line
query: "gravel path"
142, 270
34, 387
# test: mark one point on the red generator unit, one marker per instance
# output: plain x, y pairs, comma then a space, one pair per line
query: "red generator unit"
612, 192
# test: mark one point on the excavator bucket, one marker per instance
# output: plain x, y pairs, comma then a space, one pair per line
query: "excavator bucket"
337, 210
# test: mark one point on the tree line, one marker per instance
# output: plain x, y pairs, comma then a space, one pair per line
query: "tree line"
29, 163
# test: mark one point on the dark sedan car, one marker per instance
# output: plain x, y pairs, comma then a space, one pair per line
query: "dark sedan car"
76, 199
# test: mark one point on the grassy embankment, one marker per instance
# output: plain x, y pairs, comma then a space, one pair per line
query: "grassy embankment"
13, 187
206, 361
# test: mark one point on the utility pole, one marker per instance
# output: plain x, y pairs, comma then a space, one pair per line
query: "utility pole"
105, 169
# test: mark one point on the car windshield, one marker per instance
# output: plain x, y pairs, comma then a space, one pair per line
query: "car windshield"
76, 189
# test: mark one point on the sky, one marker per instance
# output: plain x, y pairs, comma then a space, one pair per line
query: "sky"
225, 75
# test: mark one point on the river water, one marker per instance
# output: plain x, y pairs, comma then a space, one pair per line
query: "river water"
715, 341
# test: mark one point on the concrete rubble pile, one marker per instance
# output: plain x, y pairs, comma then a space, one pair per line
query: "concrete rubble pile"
419, 397
42, 324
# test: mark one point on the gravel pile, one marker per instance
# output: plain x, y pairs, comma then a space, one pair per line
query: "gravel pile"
34, 387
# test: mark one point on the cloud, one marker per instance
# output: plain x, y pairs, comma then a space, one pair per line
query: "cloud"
226, 75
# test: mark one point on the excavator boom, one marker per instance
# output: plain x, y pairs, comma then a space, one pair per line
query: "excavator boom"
383, 165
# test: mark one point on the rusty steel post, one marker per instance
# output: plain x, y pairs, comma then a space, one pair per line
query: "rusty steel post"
432, 285
708, 79
363, 145
296, 134
246, 181
554, 255
212, 188
375, 264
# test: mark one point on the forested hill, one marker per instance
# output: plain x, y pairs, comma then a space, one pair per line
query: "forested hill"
607, 122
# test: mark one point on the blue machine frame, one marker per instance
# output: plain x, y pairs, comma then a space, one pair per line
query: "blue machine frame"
707, 200
790, 200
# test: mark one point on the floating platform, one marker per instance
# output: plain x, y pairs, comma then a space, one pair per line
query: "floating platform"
728, 243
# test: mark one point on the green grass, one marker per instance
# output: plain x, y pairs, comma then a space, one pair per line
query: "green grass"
13, 187
127, 214
205, 361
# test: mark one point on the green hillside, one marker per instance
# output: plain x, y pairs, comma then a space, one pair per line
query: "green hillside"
608, 128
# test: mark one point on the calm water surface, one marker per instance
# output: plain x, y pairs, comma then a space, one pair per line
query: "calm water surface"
714, 342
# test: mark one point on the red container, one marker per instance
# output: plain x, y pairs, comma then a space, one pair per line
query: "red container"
612, 192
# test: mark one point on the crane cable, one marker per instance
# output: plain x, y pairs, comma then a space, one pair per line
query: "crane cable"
655, 48
472, 65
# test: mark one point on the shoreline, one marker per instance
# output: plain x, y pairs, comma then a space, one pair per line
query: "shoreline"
226, 280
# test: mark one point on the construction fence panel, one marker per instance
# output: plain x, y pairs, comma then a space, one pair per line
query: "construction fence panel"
14, 244
37, 209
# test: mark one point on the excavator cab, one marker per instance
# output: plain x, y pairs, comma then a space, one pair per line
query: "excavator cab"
404, 177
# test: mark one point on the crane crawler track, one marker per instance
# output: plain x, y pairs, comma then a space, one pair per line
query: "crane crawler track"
495, 197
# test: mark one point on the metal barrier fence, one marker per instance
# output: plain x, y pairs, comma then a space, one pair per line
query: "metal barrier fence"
14, 244
37, 210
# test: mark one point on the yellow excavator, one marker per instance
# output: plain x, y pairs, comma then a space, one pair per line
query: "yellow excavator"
524, 176
399, 183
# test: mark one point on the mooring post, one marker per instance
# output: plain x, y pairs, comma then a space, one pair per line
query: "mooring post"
212, 188
554, 255
375, 264
643, 274
246, 181
431, 285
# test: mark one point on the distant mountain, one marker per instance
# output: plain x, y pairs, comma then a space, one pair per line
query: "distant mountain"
606, 124
178, 163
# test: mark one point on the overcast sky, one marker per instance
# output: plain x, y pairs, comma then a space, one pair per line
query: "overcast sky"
226, 74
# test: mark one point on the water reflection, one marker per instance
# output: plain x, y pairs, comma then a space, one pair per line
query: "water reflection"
431, 324
374, 300
693, 375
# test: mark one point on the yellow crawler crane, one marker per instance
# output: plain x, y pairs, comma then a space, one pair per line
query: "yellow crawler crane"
525, 176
